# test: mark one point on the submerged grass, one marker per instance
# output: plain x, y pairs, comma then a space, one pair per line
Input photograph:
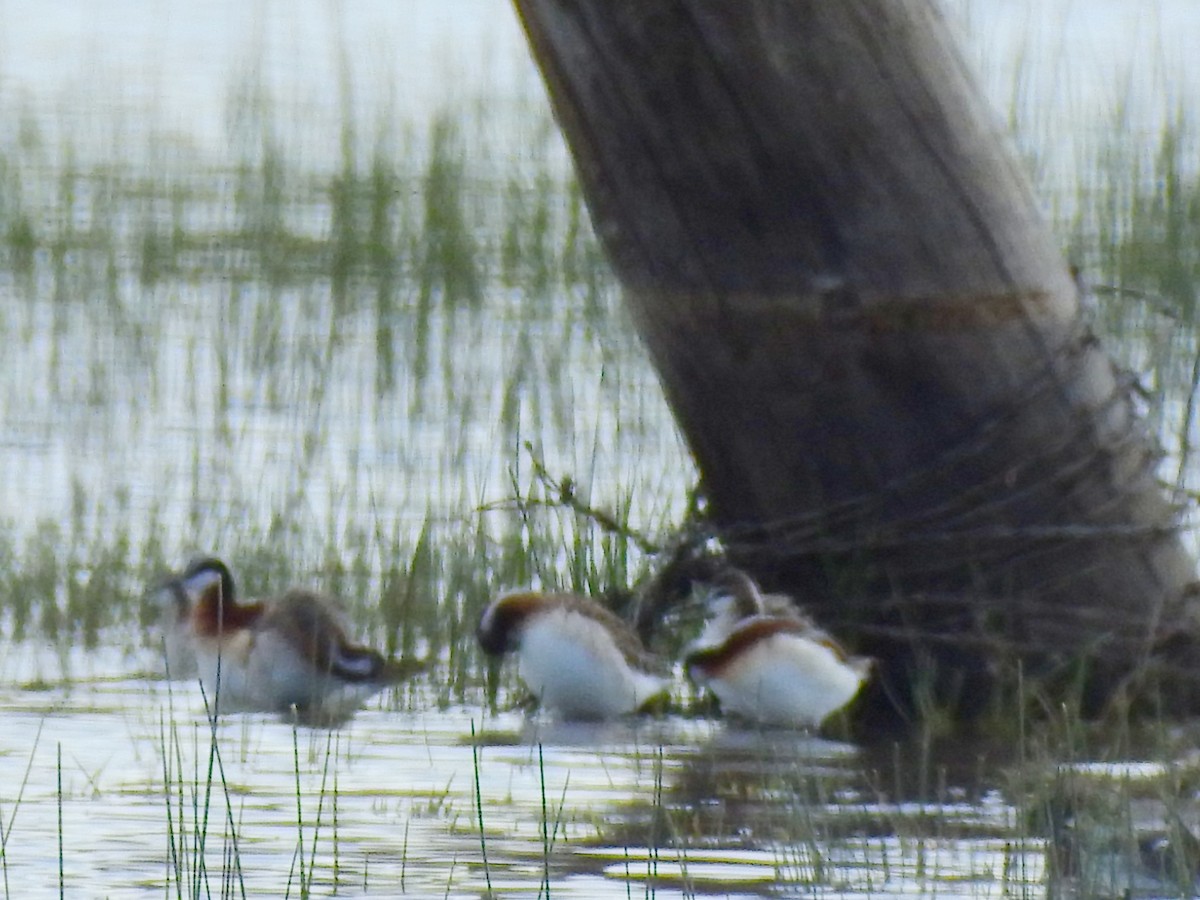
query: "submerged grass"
345, 306
412, 246
483, 855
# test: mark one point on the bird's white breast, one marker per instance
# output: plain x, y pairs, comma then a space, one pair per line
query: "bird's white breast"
575, 667
786, 679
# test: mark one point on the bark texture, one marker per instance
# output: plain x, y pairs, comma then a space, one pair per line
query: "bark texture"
871, 341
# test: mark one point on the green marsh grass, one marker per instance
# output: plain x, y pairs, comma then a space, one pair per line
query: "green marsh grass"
62, 882
305, 870
483, 856
7, 827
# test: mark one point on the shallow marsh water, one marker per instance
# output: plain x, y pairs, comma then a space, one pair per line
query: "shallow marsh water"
387, 805
236, 318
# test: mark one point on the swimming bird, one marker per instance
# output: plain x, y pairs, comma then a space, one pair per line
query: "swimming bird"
581, 660
765, 661
173, 605
284, 653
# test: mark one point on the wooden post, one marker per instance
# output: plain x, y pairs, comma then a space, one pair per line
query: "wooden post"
870, 339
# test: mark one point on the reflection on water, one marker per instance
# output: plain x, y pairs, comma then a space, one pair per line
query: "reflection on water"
387, 805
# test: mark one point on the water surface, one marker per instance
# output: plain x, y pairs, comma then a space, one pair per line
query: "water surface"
387, 805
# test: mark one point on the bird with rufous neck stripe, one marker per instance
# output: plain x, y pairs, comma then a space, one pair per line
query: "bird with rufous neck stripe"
289, 652
767, 662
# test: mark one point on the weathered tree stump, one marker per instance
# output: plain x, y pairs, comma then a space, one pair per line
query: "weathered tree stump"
871, 341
